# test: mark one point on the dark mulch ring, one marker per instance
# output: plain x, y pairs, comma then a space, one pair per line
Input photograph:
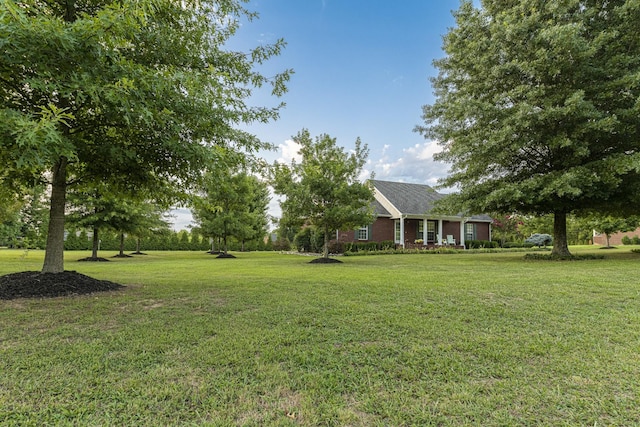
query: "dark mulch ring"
122, 256
94, 259
34, 284
223, 255
325, 261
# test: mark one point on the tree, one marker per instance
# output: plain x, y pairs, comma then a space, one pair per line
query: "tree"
231, 205
324, 190
254, 218
148, 218
505, 228
97, 209
135, 93
608, 224
537, 107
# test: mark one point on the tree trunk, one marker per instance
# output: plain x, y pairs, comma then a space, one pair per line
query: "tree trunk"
54, 251
560, 246
138, 245
325, 248
96, 243
121, 244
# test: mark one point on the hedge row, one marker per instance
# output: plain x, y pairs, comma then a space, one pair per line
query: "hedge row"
173, 241
480, 244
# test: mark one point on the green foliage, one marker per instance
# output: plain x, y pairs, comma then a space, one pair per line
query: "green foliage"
232, 204
536, 108
554, 257
369, 246
609, 224
506, 228
281, 245
478, 244
324, 190
309, 239
140, 95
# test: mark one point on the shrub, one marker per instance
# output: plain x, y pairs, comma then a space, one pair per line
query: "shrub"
282, 245
302, 240
626, 240
636, 240
539, 240
480, 244
509, 245
552, 257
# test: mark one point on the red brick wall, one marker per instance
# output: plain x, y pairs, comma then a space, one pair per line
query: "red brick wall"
383, 229
615, 239
482, 231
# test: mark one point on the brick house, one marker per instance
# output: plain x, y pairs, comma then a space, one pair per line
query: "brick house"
615, 239
402, 216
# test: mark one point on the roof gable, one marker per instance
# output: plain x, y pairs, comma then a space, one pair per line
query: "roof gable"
408, 199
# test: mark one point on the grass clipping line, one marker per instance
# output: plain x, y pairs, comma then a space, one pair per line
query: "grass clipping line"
34, 284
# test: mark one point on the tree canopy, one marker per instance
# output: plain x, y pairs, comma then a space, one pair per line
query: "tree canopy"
537, 107
324, 189
232, 204
609, 224
142, 94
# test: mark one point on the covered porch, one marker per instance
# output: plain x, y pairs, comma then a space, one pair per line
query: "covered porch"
422, 232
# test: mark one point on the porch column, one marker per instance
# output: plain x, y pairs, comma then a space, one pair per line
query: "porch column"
440, 232
462, 223
402, 231
424, 232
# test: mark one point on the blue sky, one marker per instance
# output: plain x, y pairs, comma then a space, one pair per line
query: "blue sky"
362, 69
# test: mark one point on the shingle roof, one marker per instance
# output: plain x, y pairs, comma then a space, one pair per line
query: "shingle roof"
379, 209
410, 199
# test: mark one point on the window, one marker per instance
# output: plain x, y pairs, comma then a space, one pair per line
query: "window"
431, 231
420, 233
362, 233
469, 231
397, 236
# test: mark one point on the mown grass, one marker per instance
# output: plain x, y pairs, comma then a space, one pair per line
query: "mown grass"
268, 339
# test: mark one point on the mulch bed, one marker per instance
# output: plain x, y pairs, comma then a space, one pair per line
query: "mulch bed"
325, 261
34, 284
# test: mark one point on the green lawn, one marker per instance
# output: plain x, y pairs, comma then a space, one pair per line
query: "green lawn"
268, 339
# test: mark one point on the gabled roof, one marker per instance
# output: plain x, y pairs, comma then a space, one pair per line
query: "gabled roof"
408, 199
401, 198
379, 209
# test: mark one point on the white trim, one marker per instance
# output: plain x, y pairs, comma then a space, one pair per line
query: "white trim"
395, 213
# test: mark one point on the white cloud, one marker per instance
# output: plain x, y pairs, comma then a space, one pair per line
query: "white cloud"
415, 165
180, 218
289, 151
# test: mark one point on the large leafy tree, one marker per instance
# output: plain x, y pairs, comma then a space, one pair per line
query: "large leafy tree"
131, 92
324, 190
231, 204
537, 106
